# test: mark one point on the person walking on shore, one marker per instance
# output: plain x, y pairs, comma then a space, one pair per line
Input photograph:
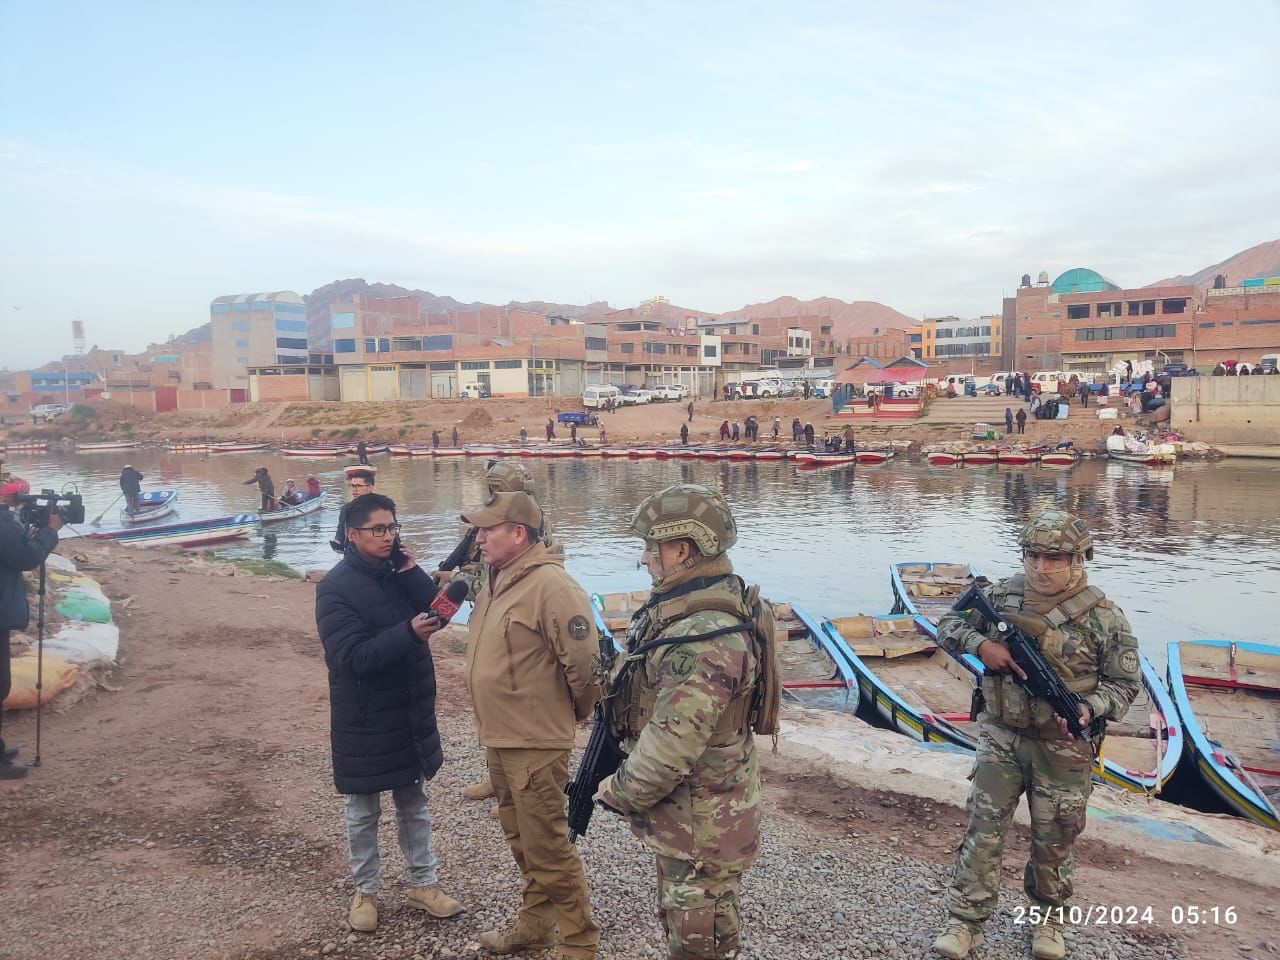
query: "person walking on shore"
777, 427
1021, 417
690, 409
1008, 420
455, 436
1023, 747
808, 434
374, 619
573, 434
435, 439
550, 429
684, 434
530, 653
736, 429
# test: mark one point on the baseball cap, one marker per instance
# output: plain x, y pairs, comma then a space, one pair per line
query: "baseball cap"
515, 507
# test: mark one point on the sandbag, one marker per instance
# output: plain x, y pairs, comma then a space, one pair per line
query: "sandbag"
59, 675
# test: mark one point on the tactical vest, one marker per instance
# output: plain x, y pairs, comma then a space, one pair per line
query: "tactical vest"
755, 706
1005, 699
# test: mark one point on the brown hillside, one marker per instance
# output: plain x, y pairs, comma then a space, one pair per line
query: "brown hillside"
856, 319
1260, 261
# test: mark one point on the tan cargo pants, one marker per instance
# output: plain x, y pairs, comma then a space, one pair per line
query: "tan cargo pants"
529, 786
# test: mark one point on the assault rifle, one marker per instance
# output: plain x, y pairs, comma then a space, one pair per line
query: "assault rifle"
601, 757
1042, 680
461, 553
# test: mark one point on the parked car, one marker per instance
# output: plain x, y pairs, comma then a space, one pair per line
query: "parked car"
48, 411
1178, 370
667, 391
596, 395
636, 395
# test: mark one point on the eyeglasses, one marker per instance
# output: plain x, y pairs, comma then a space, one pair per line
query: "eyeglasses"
361, 485
1048, 561
380, 529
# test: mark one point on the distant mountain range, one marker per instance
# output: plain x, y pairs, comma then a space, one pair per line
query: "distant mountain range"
1260, 261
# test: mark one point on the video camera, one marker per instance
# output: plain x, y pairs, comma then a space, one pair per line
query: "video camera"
36, 507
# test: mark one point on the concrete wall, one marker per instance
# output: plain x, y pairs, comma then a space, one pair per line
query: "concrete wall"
1244, 410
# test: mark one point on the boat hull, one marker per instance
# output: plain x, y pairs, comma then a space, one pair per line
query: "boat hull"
288, 513
192, 534
152, 505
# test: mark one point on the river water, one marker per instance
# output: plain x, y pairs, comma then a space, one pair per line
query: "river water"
1188, 552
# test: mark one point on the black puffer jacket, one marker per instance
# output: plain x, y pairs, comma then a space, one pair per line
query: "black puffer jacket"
18, 552
382, 681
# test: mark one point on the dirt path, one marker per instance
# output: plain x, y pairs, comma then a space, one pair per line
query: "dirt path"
187, 812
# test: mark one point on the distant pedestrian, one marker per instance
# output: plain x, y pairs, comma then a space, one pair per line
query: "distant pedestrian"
455, 436
690, 409
602, 432
724, 430
1008, 420
777, 427
1219, 370
551, 429
524, 435
684, 433
736, 430
797, 430
1244, 370
362, 451
1084, 393
850, 446
727, 391
1128, 370
573, 434
435, 439
808, 434
1022, 420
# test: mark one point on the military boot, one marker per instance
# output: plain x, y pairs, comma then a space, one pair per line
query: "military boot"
9, 770
517, 940
364, 912
959, 939
1047, 942
435, 901
478, 791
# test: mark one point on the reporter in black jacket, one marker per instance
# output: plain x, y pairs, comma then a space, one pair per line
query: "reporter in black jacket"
19, 551
373, 617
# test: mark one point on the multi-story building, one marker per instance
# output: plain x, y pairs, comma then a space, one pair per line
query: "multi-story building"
951, 338
646, 352
256, 330
1237, 323
887, 344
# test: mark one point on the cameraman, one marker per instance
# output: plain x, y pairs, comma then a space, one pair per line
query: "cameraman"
19, 550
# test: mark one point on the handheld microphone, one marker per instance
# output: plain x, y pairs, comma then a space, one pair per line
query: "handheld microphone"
447, 602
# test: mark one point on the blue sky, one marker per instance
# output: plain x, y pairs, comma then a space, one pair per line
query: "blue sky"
155, 156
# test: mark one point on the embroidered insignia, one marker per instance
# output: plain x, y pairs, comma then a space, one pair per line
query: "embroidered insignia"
579, 628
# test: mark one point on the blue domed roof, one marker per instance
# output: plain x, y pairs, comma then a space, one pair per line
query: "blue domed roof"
1082, 280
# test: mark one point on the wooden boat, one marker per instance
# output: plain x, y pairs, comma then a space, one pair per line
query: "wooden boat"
980, 458
408, 450
370, 448
289, 512
929, 589
873, 455
615, 451
106, 445
152, 504
816, 669
1150, 459
28, 446
448, 452
233, 447
811, 458
1133, 450
351, 468
1019, 456
315, 450
192, 533
916, 687
1228, 696
184, 447
771, 453
941, 458
1059, 458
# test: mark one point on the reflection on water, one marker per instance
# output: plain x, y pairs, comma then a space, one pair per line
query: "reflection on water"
1187, 552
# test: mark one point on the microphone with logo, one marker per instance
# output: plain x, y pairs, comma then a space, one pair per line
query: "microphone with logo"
447, 602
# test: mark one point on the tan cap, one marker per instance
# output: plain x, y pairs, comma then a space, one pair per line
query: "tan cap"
515, 507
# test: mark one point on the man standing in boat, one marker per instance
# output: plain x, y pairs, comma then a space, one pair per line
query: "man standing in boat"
131, 487
266, 486
692, 692
1023, 746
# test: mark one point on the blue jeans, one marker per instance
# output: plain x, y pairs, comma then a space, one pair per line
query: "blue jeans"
413, 825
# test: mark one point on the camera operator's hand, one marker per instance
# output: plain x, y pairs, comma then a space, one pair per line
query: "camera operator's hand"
55, 520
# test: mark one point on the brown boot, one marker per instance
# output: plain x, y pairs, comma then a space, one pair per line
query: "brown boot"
493, 812
959, 939
516, 940
1047, 942
435, 901
364, 912
478, 791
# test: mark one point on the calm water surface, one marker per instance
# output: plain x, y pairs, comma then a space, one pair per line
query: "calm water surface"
1187, 552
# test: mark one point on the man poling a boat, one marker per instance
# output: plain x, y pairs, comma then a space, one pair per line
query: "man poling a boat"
1023, 746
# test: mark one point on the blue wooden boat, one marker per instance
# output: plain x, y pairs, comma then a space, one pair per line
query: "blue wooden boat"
289, 511
913, 684
152, 504
193, 533
928, 589
816, 668
1228, 696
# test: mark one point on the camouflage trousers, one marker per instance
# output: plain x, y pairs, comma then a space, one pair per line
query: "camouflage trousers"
700, 915
1055, 774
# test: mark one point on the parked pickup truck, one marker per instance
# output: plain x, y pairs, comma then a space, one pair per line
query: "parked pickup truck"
669, 391
583, 418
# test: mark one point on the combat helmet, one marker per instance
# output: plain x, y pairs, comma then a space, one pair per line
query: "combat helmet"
1057, 531
501, 476
687, 511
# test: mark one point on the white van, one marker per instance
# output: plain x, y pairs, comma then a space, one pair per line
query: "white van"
595, 395
1046, 381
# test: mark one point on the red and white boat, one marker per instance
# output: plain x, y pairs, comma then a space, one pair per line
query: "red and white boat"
233, 447
614, 451
981, 457
106, 445
1019, 456
771, 453
448, 452
1059, 458
874, 456
27, 446
810, 458
941, 458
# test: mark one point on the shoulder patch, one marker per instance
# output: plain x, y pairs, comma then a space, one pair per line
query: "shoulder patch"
1129, 662
682, 662
579, 627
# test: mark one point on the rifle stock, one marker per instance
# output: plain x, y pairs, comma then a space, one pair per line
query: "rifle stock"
1042, 680
600, 759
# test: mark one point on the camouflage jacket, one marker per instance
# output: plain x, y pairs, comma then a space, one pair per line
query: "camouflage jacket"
692, 791
1096, 655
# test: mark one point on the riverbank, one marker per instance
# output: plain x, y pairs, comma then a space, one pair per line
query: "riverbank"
499, 420
185, 809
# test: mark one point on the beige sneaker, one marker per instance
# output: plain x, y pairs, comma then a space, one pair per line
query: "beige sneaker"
1047, 942
364, 912
517, 940
478, 791
958, 940
493, 813
435, 901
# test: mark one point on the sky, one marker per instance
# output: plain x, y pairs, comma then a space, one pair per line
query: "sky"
154, 156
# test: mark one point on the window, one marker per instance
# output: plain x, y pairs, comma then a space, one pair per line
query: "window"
241, 325
655, 347
240, 307
690, 349
1077, 311
220, 308
242, 344
597, 343
709, 350
1173, 306
1207, 326
289, 307
627, 348
406, 343
507, 364
243, 361
755, 329
441, 365
342, 321
1108, 309
377, 344
290, 326
474, 365
344, 346
1254, 323
291, 343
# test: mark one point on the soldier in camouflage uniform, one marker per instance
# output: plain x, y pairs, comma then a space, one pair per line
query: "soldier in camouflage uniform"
1022, 745
690, 783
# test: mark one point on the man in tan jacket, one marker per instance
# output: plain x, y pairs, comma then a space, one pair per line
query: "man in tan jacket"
531, 648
